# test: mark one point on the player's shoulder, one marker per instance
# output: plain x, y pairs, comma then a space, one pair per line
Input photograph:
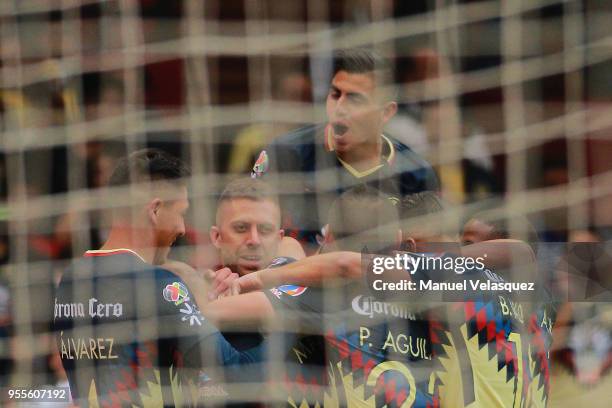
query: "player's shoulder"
416, 173
301, 137
297, 149
172, 287
105, 264
405, 154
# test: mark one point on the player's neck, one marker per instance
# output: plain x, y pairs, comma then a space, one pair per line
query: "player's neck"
365, 156
129, 238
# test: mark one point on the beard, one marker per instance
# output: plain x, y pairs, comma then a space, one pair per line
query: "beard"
161, 255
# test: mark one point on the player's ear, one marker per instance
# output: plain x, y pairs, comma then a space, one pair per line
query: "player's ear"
215, 236
153, 210
281, 233
410, 244
389, 111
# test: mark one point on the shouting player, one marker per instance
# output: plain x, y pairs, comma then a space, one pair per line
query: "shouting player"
314, 164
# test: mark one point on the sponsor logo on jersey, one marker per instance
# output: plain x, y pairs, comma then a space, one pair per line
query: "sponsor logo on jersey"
68, 310
95, 308
191, 314
276, 292
292, 290
175, 292
367, 306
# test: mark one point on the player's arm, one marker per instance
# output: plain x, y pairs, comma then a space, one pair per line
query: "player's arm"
291, 248
248, 310
337, 267
501, 253
329, 269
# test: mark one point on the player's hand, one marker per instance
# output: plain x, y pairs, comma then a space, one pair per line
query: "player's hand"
250, 282
222, 283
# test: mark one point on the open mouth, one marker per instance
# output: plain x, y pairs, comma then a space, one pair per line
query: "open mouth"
251, 258
339, 128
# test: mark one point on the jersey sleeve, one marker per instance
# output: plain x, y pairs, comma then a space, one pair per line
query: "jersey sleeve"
198, 340
299, 303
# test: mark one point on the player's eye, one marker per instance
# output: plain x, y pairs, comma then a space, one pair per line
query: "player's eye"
334, 94
357, 99
240, 227
265, 229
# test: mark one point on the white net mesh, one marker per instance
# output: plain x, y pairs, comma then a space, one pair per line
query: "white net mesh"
508, 101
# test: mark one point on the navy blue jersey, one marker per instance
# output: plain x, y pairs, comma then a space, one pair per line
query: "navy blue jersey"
312, 176
130, 333
368, 352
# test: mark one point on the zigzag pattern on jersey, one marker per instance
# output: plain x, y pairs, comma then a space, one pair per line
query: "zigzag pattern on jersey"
538, 341
141, 371
302, 388
354, 360
391, 388
438, 335
492, 328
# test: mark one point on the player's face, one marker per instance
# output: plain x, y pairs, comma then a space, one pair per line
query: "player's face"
475, 231
247, 233
170, 224
355, 111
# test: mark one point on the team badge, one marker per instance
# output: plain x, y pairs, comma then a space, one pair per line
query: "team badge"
261, 165
292, 290
175, 292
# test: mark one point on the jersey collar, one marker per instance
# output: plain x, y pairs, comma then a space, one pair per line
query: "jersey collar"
108, 252
388, 154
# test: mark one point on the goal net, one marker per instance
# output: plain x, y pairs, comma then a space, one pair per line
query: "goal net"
508, 101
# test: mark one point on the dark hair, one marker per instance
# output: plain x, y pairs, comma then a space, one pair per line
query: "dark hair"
249, 188
358, 61
423, 203
419, 205
509, 227
148, 165
364, 61
364, 216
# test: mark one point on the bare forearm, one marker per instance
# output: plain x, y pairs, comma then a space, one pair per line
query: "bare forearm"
330, 268
245, 311
501, 253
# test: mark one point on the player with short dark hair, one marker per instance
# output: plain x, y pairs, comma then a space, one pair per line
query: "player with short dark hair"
128, 331
490, 348
315, 164
376, 351
486, 225
362, 216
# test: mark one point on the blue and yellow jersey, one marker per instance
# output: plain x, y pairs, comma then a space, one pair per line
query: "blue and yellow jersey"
539, 335
375, 353
491, 350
